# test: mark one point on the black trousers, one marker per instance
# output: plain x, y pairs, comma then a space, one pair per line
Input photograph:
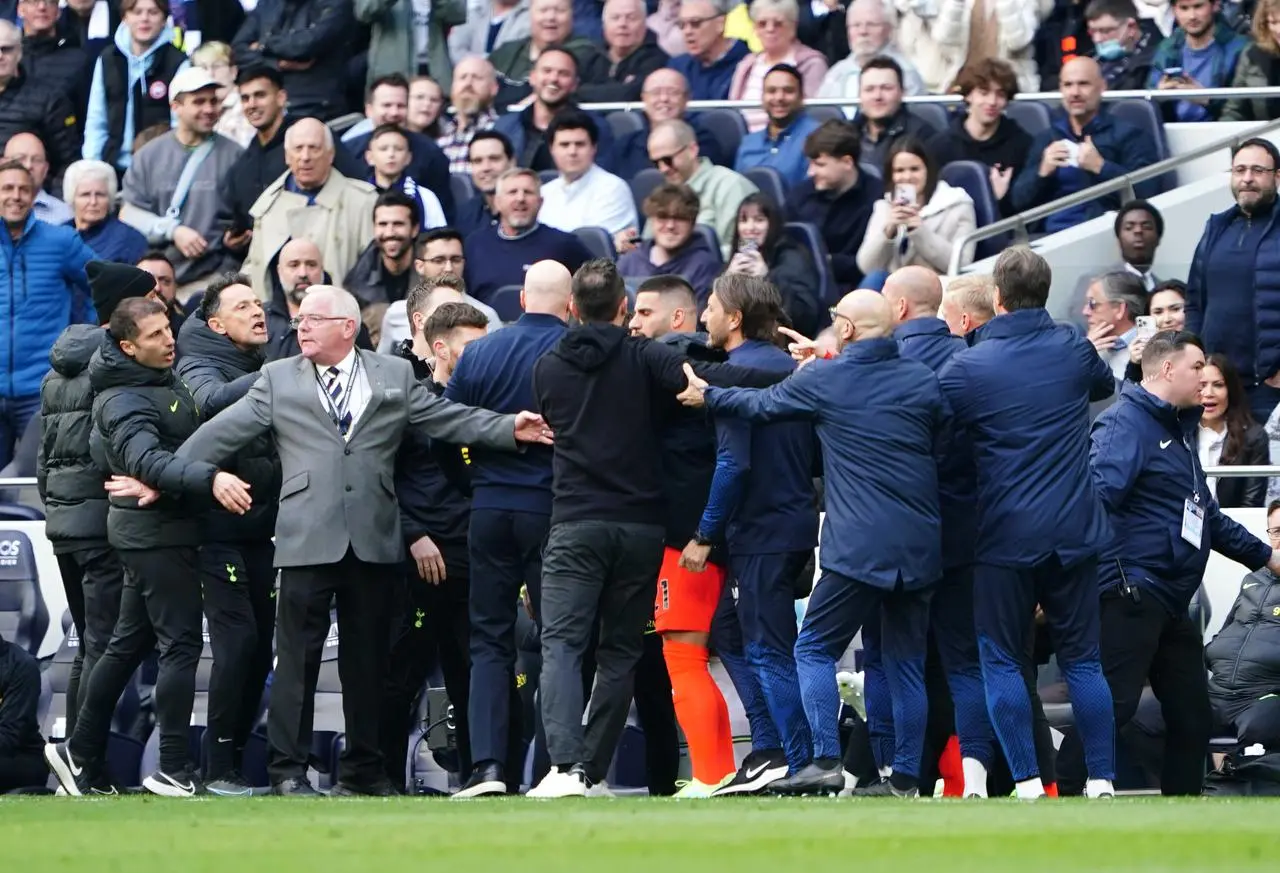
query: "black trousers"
657, 714
427, 621
239, 581
1142, 641
22, 770
93, 580
1259, 723
363, 595
506, 552
159, 607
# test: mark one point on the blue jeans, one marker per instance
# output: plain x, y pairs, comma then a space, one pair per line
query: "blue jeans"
15, 414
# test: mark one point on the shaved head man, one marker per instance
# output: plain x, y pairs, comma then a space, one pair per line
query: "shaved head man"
913, 292
861, 315
547, 288
969, 303
299, 266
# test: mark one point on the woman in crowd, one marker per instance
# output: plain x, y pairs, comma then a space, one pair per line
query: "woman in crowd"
1259, 67
426, 100
1228, 434
761, 248
775, 23
89, 188
1168, 306
215, 59
675, 249
918, 220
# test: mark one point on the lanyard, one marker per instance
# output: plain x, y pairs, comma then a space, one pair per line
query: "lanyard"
338, 411
1195, 464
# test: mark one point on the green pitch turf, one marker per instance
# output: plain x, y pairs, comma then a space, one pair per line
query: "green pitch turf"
139, 835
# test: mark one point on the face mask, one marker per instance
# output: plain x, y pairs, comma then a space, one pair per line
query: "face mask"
1110, 50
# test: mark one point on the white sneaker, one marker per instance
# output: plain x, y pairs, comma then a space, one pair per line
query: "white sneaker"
850, 783
1097, 788
556, 784
1030, 789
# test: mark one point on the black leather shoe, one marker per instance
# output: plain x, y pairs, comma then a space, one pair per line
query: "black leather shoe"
486, 780
381, 788
823, 776
296, 787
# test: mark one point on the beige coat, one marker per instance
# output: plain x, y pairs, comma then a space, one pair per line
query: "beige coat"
340, 223
944, 219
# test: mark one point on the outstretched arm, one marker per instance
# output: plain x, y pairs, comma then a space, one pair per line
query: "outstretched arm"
234, 427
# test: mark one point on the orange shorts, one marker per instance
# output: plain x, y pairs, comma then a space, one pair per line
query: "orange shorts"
686, 601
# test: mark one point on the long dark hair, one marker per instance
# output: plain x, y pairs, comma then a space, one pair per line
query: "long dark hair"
1239, 417
913, 146
772, 213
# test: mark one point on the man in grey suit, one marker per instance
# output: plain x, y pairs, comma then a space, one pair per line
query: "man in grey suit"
337, 415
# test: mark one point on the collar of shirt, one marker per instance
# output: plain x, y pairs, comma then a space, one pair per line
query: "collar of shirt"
1125, 339
1210, 443
1145, 275
345, 366
291, 185
582, 182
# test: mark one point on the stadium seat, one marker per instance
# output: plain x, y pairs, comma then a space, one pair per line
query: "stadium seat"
770, 182
809, 236
642, 185
1031, 117
727, 128
1146, 117
825, 113
328, 706
712, 240
932, 114
872, 170
19, 512
598, 242
462, 187
24, 618
972, 177
623, 123
506, 302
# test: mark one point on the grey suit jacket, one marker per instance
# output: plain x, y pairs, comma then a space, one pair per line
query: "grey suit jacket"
337, 494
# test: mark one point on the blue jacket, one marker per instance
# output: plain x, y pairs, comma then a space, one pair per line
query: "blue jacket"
710, 82
1169, 54
511, 125
785, 153
930, 341
43, 289
1145, 466
113, 240
881, 420
1124, 149
1219, 328
1022, 393
496, 373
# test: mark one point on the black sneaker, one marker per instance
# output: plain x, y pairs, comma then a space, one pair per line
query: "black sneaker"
486, 780
758, 771
230, 784
184, 783
885, 788
295, 787
825, 776
71, 775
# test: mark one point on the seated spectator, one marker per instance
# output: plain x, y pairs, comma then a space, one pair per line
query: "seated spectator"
583, 195
1229, 436
426, 105
920, 221
1203, 52
665, 96
1138, 228
215, 59
47, 55
1124, 44
837, 198
550, 24
185, 220
554, 80
497, 256
665, 24
984, 133
1112, 305
90, 188
494, 24
968, 303
490, 156
28, 150
1085, 146
711, 58
882, 119
632, 50
775, 22
1244, 657
780, 144
21, 745
762, 248
388, 154
337, 219
30, 106
675, 151
384, 271
475, 85
675, 249
305, 41
129, 91
1259, 67
870, 36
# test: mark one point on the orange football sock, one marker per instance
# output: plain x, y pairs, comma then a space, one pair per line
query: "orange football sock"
1051, 789
701, 711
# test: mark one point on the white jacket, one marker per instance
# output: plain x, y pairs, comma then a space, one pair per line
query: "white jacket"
935, 35
944, 219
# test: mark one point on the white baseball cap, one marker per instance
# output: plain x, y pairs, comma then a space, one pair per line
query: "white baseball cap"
189, 81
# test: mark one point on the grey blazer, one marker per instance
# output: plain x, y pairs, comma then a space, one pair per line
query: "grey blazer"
337, 494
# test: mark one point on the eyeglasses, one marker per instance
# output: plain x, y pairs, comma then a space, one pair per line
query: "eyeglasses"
833, 313
695, 23
667, 160
313, 320
1255, 170
441, 260
1273, 532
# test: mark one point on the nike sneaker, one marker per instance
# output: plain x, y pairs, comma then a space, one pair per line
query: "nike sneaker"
184, 783
759, 770
65, 768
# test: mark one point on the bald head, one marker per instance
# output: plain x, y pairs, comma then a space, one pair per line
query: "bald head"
1081, 84
913, 292
665, 95
863, 315
547, 288
299, 266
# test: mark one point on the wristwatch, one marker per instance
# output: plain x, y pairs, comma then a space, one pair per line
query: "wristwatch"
701, 539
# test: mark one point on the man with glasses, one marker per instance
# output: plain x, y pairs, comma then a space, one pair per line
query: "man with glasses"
1124, 44
1241, 318
712, 57
28, 150
34, 105
665, 95
1164, 522
50, 57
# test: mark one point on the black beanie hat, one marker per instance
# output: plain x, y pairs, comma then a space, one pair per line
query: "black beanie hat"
112, 283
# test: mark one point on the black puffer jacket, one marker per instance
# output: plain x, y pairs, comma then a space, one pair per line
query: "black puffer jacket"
1244, 658
140, 418
28, 104
60, 62
217, 374
70, 483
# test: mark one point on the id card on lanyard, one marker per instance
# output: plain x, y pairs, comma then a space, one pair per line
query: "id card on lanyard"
1192, 511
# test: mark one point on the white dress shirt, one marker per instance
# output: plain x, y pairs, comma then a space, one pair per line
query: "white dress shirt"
358, 387
1209, 444
597, 199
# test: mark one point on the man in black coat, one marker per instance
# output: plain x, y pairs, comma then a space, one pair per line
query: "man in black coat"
30, 104
52, 57
20, 765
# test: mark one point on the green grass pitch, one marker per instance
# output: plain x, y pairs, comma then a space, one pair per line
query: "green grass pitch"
139, 835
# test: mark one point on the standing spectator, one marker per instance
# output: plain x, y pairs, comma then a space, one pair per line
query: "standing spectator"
583, 195
304, 40
1112, 304
1206, 51
388, 155
313, 200
761, 248
20, 742
780, 144
384, 271
837, 198
130, 90
1085, 146
882, 119
675, 249
969, 303
475, 85
42, 290
550, 24
171, 203
1229, 436
1124, 45
968, 31
502, 22
426, 105
489, 156
632, 51
666, 97
406, 40
28, 150
50, 56
29, 105
870, 36
1235, 256
984, 133
89, 24
1138, 228
1259, 67
215, 59
775, 23
90, 189
711, 59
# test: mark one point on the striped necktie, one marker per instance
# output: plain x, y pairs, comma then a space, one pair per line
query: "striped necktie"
333, 385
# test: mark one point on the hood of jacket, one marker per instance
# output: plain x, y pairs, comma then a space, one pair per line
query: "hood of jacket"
591, 346
945, 197
196, 339
1182, 423
73, 350
137, 63
112, 368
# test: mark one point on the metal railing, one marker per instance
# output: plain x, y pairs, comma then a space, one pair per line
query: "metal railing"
1017, 224
1243, 471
